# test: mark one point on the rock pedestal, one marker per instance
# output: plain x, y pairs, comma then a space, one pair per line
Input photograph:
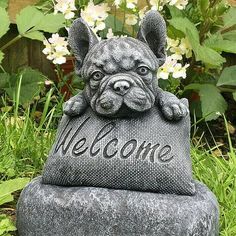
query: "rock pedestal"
47, 210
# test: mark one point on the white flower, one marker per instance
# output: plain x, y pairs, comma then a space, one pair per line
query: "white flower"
95, 15
131, 4
69, 15
131, 19
117, 3
166, 68
157, 5
178, 48
110, 34
100, 25
176, 53
185, 47
56, 49
66, 7
180, 4
179, 71
172, 67
172, 42
48, 82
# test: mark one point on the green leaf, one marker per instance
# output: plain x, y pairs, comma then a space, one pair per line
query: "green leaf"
31, 21
29, 85
6, 225
174, 11
231, 35
10, 186
4, 80
173, 33
116, 25
35, 35
229, 17
5, 22
217, 43
185, 25
28, 18
209, 56
1, 56
203, 53
51, 23
228, 76
234, 96
203, 6
212, 102
4, 4
6, 199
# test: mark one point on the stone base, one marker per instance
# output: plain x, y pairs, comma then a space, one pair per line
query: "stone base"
46, 210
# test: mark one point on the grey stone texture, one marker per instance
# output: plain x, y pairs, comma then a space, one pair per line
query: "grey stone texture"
121, 133
120, 73
146, 153
47, 210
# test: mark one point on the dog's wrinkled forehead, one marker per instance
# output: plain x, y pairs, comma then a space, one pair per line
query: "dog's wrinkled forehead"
118, 54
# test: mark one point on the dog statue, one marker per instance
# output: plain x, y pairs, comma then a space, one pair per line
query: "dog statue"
120, 73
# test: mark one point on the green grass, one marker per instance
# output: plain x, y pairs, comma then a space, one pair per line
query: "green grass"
24, 146
219, 175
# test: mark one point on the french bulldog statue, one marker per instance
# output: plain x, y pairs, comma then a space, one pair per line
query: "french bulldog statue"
121, 94
120, 73
121, 163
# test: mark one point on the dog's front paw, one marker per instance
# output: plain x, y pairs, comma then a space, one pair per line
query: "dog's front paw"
75, 107
72, 108
174, 109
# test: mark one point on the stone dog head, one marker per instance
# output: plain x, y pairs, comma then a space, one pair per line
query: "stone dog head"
119, 73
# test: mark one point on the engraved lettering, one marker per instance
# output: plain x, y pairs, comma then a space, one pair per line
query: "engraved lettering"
62, 144
162, 155
105, 151
101, 134
109, 147
144, 151
133, 144
77, 147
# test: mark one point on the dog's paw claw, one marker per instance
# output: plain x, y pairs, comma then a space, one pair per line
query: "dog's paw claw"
72, 108
175, 110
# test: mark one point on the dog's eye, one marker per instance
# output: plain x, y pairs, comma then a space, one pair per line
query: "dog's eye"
142, 70
97, 75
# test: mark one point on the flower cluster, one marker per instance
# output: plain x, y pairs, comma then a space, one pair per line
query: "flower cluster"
56, 49
131, 19
172, 66
178, 48
66, 7
95, 15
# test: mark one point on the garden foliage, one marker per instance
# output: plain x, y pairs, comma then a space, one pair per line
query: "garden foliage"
201, 35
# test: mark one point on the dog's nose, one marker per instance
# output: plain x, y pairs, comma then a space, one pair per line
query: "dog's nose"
121, 87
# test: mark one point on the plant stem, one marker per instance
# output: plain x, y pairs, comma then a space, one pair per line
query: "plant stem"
226, 90
2, 69
11, 42
123, 25
149, 5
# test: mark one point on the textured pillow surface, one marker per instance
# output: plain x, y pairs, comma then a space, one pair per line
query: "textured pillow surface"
145, 153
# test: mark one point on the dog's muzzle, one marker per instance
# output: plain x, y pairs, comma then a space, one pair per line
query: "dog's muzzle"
121, 87
119, 91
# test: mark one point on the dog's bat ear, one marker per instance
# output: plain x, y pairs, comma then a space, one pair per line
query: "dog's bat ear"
152, 31
81, 40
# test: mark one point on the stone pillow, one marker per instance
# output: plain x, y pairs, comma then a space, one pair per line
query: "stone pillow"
145, 153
